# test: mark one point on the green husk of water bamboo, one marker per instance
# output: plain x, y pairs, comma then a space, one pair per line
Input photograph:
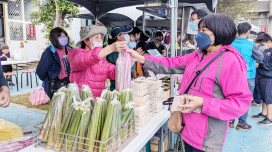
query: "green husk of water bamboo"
95, 124
110, 124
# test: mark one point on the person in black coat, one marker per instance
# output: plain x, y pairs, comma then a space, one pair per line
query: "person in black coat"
4, 90
53, 67
143, 42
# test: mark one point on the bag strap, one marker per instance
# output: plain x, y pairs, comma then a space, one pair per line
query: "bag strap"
203, 69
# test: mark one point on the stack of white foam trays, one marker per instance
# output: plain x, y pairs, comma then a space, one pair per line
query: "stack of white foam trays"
148, 96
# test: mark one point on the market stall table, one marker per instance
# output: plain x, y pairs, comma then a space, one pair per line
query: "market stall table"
16, 64
143, 135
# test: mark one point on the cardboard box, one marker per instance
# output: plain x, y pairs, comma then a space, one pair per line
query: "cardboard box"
159, 92
141, 122
141, 99
154, 145
154, 83
143, 110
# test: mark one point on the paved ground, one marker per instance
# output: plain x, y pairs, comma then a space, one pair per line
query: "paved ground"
258, 139
25, 89
24, 117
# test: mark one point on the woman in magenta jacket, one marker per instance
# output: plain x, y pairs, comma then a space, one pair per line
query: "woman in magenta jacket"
221, 91
87, 62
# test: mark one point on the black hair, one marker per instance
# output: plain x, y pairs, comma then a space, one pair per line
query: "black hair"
54, 36
222, 26
243, 28
200, 13
263, 38
190, 41
136, 30
143, 37
158, 33
83, 44
132, 34
259, 33
110, 41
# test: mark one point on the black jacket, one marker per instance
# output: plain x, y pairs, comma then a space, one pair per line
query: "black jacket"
265, 68
49, 67
3, 81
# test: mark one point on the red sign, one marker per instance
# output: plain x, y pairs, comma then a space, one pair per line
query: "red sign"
31, 30
263, 29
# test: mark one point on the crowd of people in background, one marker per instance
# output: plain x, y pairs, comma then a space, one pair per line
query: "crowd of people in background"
240, 75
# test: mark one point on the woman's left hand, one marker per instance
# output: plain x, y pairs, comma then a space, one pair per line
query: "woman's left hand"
140, 51
136, 56
193, 103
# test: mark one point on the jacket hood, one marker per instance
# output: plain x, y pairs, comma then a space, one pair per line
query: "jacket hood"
53, 50
237, 54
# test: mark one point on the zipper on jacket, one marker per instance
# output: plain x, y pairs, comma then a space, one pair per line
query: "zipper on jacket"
192, 75
58, 62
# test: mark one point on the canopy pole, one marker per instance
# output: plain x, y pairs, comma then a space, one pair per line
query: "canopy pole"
176, 26
173, 6
182, 27
173, 30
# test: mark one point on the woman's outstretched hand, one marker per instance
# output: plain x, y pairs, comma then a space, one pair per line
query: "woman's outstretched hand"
119, 46
137, 55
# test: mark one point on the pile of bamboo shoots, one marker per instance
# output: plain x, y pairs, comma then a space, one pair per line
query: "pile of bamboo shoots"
78, 122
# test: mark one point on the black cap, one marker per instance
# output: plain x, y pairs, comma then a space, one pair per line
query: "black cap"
117, 30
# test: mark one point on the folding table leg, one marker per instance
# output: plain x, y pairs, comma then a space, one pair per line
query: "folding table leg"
161, 140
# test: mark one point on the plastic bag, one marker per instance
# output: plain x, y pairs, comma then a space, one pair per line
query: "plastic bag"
123, 71
38, 97
9, 131
16, 144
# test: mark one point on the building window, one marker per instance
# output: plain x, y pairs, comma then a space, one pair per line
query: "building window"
14, 10
16, 31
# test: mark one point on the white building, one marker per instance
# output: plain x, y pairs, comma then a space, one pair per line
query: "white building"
21, 36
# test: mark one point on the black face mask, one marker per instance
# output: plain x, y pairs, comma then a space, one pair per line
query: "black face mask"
159, 40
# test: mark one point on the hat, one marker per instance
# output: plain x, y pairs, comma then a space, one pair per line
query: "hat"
4, 47
117, 30
89, 31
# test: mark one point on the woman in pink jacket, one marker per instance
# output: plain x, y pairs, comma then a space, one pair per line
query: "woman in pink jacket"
88, 64
221, 90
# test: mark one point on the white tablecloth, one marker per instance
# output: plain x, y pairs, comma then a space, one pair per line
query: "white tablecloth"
15, 62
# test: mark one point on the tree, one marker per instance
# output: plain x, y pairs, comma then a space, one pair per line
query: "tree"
236, 9
53, 13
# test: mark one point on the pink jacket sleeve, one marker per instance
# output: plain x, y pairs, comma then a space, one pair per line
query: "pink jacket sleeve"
175, 65
111, 71
80, 59
235, 88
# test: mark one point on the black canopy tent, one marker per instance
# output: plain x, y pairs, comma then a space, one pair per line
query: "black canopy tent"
110, 19
100, 7
211, 4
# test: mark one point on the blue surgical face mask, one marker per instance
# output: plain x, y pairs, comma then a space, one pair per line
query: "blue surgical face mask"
131, 45
203, 40
193, 25
126, 36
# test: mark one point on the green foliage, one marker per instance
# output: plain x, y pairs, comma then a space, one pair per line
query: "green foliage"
45, 13
236, 8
